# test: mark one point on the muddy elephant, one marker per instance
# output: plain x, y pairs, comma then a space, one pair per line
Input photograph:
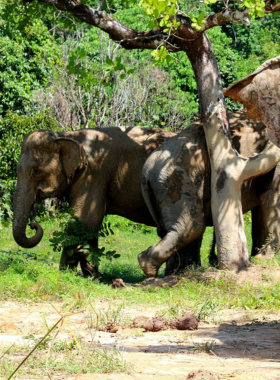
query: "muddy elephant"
259, 93
176, 185
98, 171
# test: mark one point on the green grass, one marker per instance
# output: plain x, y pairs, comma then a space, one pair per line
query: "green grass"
62, 358
28, 278
36, 277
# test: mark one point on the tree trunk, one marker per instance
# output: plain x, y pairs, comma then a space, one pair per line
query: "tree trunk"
228, 169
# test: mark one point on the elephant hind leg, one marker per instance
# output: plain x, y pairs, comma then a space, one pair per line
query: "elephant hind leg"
71, 262
88, 269
265, 232
67, 261
213, 258
184, 257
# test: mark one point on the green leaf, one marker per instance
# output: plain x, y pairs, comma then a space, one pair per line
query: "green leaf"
109, 61
200, 18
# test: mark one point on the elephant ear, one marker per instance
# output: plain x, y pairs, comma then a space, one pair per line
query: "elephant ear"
73, 156
259, 92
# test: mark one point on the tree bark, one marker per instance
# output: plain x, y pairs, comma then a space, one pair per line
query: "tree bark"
228, 168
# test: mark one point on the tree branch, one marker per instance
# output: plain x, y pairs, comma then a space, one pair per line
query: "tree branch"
272, 6
226, 16
128, 38
240, 16
263, 162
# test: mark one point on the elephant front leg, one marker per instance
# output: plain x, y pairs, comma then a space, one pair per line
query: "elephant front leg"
152, 258
90, 208
265, 232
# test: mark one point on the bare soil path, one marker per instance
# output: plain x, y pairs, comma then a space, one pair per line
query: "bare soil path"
239, 344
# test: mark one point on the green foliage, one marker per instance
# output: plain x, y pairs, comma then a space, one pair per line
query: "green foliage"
255, 7
6, 190
13, 128
161, 56
18, 259
157, 8
27, 55
76, 238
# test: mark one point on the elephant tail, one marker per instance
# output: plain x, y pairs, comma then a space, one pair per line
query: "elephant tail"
151, 200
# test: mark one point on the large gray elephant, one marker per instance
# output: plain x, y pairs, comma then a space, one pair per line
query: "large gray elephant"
176, 183
260, 95
97, 170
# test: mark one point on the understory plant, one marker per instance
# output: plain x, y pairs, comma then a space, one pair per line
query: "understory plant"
77, 239
6, 191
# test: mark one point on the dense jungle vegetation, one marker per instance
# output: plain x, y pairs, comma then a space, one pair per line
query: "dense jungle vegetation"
57, 73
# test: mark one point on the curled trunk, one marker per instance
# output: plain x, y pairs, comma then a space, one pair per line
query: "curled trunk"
23, 201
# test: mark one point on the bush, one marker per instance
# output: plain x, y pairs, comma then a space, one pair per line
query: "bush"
13, 128
6, 210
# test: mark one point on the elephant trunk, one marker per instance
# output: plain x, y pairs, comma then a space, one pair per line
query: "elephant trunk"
23, 201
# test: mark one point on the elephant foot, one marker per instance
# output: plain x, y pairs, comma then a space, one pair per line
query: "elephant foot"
147, 264
88, 269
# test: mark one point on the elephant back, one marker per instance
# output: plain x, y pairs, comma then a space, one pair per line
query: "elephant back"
248, 136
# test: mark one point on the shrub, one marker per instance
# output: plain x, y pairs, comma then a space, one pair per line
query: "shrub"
13, 128
77, 239
6, 190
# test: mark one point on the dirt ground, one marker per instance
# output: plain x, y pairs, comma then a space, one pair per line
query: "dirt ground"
241, 344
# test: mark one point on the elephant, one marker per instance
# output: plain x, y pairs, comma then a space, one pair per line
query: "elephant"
259, 93
98, 171
176, 186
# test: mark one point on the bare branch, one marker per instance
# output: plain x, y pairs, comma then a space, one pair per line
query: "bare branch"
100, 5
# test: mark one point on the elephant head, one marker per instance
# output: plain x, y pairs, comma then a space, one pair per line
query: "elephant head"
46, 167
259, 92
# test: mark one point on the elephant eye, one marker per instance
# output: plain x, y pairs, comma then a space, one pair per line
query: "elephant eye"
35, 171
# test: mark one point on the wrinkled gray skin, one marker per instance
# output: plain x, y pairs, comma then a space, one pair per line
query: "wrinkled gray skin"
176, 187
259, 93
98, 171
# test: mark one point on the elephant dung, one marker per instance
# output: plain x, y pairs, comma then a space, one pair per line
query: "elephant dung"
187, 322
